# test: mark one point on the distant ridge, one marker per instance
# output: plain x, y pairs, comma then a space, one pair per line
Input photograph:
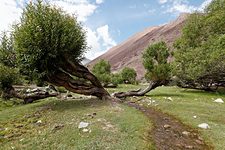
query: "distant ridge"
85, 61
129, 52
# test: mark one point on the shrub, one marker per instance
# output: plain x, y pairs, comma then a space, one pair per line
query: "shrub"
129, 75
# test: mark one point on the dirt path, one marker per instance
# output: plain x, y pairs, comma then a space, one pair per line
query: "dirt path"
171, 134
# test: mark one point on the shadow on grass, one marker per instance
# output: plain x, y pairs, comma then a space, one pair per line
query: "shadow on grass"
76, 104
164, 95
193, 91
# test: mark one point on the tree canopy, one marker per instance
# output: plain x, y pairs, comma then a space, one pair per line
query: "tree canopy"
158, 70
45, 37
200, 52
49, 44
155, 62
7, 52
129, 75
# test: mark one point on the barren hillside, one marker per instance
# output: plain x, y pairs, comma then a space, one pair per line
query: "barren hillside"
129, 52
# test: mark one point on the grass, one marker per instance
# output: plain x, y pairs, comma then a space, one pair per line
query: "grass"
53, 124
114, 127
188, 103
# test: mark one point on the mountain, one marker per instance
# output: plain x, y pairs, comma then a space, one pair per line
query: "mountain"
85, 61
129, 52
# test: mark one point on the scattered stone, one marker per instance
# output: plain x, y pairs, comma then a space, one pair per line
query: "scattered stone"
57, 127
204, 126
69, 95
19, 126
219, 100
199, 142
166, 126
83, 125
189, 147
21, 140
85, 130
186, 133
39, 122
90, 115
169, 98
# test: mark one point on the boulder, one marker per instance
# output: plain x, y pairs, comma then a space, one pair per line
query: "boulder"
204, 126
219, 100
83, 125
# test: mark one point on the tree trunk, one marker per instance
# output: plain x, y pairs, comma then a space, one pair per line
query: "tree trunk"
84, 82
28, 98
140, 92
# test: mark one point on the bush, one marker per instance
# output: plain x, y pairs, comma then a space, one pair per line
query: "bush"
116, 79
102, 71
129, 75
8, 76
7, 52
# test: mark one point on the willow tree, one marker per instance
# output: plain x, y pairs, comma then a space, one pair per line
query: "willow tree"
158, 70
50, 44
200, 51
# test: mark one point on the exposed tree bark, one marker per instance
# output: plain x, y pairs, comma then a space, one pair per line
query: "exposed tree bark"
84, 81
28, 98
140, 92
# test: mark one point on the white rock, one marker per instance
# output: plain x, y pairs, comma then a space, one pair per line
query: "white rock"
195, 117
186, 133
83, 125
204, 126
219, 100
85, 130
169, 98
39, 121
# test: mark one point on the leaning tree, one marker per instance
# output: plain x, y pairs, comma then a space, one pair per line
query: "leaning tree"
50, 44
158, 69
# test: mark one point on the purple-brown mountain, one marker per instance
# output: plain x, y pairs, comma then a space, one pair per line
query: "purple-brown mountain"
129, 53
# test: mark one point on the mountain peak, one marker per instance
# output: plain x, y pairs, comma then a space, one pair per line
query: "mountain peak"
129, 52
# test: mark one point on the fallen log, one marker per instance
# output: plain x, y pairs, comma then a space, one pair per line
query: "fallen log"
28, 96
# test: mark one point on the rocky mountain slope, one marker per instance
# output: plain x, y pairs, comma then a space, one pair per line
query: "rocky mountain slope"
129, 52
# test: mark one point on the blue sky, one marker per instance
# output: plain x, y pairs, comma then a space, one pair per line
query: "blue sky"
109, 22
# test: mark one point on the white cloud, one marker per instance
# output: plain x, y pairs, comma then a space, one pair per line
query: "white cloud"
99, 1
99, 41
11, 10
9, 13
205, 4
103, 33
163, 1
183, 6
82, 8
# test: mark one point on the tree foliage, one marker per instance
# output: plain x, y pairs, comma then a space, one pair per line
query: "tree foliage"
45, 37
8, 76
50, 44
200, 52
158, 70
102, 71
7, 52
155, 62
129, 75
102, 67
